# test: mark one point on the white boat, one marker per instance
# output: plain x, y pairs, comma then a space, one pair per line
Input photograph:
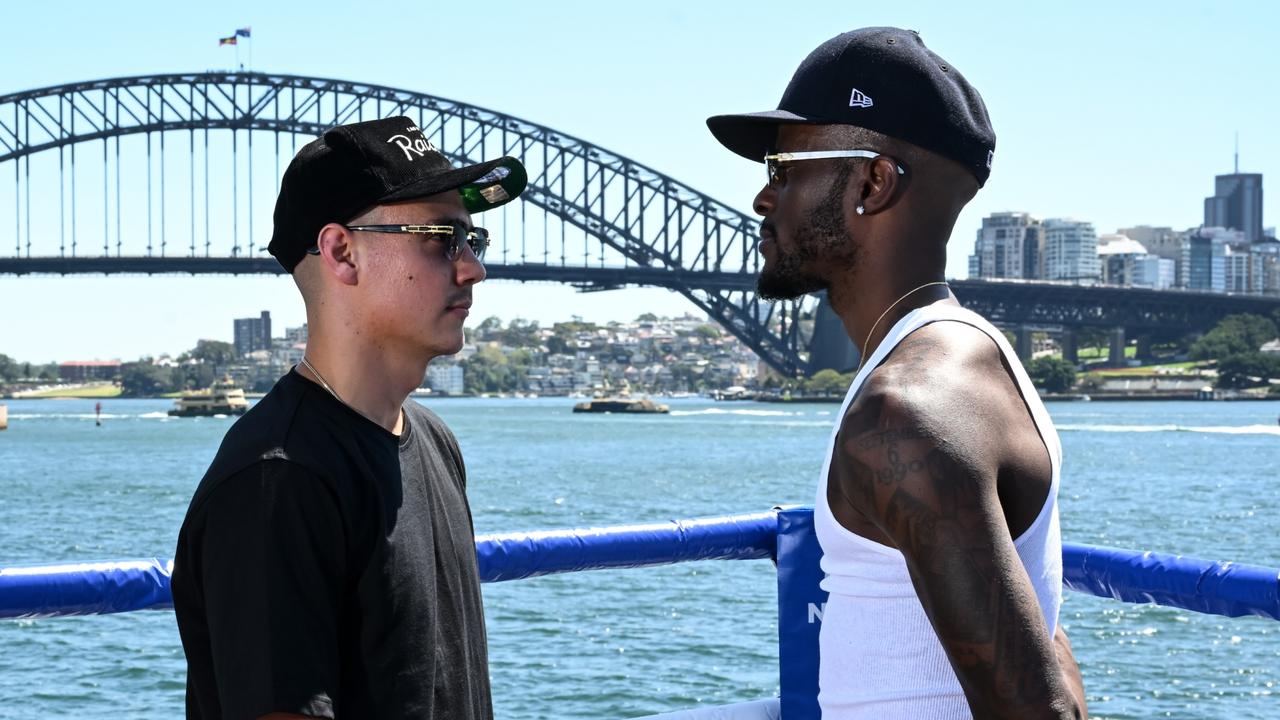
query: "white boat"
224, 398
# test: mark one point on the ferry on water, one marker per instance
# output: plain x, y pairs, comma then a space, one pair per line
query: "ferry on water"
224, 398
621, 405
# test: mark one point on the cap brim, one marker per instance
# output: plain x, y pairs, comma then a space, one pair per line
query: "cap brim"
753, 135
483, 186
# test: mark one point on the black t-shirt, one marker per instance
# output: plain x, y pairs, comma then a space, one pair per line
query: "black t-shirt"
327, 567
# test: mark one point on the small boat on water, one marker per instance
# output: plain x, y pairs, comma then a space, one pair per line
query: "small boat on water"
736, 392
224, 398
620, 406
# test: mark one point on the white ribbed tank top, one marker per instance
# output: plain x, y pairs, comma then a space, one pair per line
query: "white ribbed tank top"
880, 657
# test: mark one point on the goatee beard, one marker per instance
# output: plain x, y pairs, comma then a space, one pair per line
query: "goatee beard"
787, 281
823, 241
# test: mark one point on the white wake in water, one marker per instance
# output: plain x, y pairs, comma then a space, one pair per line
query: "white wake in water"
66, 416
86, 416
1213, 429
753, 413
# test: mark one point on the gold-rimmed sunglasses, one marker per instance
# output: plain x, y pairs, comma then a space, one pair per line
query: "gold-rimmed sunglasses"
775, 165
457, 235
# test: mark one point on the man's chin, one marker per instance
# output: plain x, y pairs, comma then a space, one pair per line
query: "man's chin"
772, 286
452, 348
444, 344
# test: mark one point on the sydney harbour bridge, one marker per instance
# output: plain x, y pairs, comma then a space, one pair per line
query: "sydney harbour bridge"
178, 174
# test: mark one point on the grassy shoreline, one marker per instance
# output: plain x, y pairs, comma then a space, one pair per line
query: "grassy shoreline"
90, 391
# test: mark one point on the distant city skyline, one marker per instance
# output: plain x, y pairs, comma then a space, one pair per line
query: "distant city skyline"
1107, 138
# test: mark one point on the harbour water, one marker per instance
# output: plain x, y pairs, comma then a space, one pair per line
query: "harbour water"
1191, 478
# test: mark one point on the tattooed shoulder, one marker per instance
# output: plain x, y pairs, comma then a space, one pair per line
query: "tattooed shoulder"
892, 449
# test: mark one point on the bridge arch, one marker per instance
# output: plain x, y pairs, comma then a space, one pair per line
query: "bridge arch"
651, 229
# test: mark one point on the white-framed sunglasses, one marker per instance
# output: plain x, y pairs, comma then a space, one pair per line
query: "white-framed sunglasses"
775, 165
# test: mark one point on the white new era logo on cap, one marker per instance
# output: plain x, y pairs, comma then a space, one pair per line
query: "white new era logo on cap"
859, 99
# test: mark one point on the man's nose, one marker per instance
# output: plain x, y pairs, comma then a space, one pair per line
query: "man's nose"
468, 270
765, 201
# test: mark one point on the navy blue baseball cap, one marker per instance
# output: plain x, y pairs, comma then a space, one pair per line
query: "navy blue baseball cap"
883, 79
357, 166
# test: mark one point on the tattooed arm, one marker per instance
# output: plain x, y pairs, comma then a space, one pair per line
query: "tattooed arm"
932, 492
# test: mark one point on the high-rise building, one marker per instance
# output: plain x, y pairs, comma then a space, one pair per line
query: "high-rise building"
1009, 245
1242, 270
1236, 204
1207, 257
1070, 251
1268, 254
253, 334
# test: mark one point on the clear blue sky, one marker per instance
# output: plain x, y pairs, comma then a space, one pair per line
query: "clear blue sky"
1119, 113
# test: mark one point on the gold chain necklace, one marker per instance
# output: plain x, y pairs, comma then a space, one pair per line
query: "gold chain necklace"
323, 383
862, 360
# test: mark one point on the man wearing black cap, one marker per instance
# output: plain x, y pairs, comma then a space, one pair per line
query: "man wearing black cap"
326, 566
937, 505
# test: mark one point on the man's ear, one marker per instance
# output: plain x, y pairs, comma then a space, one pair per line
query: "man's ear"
881, 185
337, 253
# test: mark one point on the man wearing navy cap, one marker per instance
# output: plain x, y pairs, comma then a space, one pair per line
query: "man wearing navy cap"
937, 504
326, 566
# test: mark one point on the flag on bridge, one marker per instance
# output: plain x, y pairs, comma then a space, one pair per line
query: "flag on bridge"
227, 41
243, 32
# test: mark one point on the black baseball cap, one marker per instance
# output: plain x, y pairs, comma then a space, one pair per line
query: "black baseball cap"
882, 79
355, 167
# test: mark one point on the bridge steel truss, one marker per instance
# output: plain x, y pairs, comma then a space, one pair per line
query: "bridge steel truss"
1137, 310
646, 227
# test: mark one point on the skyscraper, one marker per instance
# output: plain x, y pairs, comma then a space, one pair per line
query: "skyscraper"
1236, 204
1009, 245
253, 334
1207, 258
1242, 270
1070, 251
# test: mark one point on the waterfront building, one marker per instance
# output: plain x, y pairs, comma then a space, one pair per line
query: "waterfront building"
296, 334
253, 334
445, 378
285, 354
1164, 242
1125, 262
1207, 252
1268, 253
82, 370
651, 355
1070, 251
1235, 269
1159, 273
1236, 204
1009, 245
1242, 270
